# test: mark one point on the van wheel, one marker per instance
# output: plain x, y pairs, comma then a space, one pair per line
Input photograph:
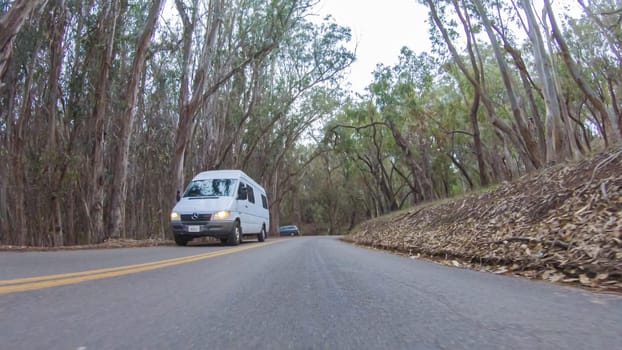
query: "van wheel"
180, 240
235, 236
262, 235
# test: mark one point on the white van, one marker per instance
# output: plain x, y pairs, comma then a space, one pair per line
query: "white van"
226, 204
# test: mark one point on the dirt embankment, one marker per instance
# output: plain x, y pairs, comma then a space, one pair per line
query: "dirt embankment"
563, 225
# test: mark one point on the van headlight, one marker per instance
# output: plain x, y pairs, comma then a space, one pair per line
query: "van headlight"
222, 215
174, 216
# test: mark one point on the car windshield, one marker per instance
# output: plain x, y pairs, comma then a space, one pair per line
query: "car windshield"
287, 227
211, 188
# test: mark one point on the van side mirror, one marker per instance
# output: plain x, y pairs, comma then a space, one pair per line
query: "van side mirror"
242, 193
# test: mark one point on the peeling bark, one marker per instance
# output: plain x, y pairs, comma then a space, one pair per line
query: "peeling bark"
10, 24
118, 194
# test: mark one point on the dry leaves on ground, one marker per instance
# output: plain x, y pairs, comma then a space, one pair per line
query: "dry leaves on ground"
561, 225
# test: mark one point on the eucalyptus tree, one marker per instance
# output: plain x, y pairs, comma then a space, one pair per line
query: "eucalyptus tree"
258, 117
56, 109
88, 120
601, 96
597, 100
107, 25
56, 23
528, 142
12, 124
237, 35
270, 104
253, 98
467, 147
394, 94
361, 135
118, 193
442, 27
10, 24
338, 198
300, 86
606, 15
151, 149
556, 136
600, 27
477, 94
302, 89
31, 134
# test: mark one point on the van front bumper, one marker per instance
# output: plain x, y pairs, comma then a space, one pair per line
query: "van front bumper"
218, 229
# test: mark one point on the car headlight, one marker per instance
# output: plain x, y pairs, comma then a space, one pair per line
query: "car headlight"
221, 215
175, 216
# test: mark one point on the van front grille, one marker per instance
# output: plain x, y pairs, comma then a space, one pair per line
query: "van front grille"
195, 217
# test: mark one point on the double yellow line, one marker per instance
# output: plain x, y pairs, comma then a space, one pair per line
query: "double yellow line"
40, 282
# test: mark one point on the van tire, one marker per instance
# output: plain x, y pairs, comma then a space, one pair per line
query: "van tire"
180, 240
235, 237
262, 235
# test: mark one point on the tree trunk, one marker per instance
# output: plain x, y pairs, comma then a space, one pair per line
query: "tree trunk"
57, 28
614, 103
427, 190
477, 84
4, 207
477, 141
274, 201
118, 194
461, 168
530, 145
10, 24
204, 88
608, 119
18, 152
560, 142
188, 107
107, 28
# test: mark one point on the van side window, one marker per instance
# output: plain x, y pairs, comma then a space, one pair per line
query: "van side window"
242, 188
251, 195
264, 201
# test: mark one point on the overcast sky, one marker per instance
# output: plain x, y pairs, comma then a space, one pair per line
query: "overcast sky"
380, 29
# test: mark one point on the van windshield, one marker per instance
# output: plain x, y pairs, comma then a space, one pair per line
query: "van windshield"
211, 188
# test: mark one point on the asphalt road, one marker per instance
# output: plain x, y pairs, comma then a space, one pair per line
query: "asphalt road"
299, 293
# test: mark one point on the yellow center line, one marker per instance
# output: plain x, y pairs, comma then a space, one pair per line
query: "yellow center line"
32, 283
